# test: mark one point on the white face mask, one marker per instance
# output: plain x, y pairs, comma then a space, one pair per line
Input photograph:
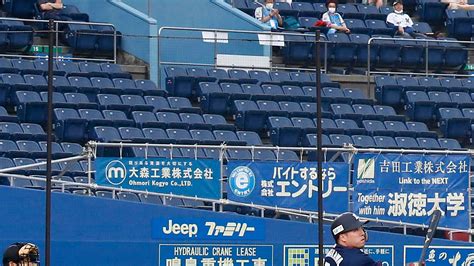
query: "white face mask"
332, 10
398, 12
269, 6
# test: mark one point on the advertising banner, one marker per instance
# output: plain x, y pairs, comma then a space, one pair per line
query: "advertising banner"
441, 255
408, 188
186, 177
289, 185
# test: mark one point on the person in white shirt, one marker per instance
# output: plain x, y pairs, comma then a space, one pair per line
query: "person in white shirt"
401, 22
458, 4
269, 15
333, 19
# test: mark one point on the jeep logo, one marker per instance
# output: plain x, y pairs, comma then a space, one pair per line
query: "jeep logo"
190, 230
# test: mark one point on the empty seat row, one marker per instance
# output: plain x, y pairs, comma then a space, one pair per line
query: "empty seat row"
33, 149
78, 125
390, 90
218, 98
92, 39
420, 106
185, 81
62, 68
15, 35
23, 131
284, 131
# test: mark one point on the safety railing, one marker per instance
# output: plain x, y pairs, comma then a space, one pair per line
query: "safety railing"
91, 152
58, 25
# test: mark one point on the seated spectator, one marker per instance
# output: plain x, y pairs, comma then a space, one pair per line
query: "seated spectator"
51, 9
333, 19
458, 4
268, 15
401, 22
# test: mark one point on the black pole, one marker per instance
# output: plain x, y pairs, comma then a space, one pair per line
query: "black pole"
47, 254
319, 149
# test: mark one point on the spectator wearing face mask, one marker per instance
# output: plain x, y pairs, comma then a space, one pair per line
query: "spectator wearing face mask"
333, 19
269, 15
401, 22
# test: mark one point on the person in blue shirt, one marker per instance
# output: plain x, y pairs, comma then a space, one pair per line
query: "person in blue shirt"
269, 15
350, 236
333, 19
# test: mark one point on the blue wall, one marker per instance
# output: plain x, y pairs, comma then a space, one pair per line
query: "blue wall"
92, 231
131, 17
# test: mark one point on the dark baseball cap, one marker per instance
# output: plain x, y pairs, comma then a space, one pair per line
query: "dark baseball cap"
346, 222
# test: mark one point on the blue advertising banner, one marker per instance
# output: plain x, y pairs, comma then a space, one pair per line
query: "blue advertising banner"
441, 255
207, 255
187, 177
309, 255
289, 185
409, 188
191, 228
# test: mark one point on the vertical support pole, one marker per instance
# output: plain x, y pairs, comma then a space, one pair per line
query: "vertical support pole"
319, 148
48, 145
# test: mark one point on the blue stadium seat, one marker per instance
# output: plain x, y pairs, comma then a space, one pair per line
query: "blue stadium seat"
194, 121
159, 103
285, 9
242, 76
255, 92
349, 11
406, 142
376, 128
468, 83
234, 91
181, 104
363, 141
171, 120
389, 50
118, 118
136, 102
329, 126
178, 83
455, 55
357, 96
274, 92
72, 148
149, 198
5, 63
387, 90
248, 116
33, 170
204, 137
228, 137
419, 107
400, 128
421, 129
344, 111
91, 69
80, 101
293, 109
8, 148
340, 140
453, 124
20, 36
343, 49
304, 9
218, 122
13, 131
264, 155
112, 102
441, 99
84, 85
32, 148
30, 107
105, 194
70, 68
105, 41
148, 87
350, 127
306, 125
212, 153
57, 150
411, 53
102, 85
385, 142
428, 143
211, 97
156, 135
367, 112
370, 12
360, 41
68, 126
297, 49
235, 154
409, 83
221, 75
449, 144
144, 119
193, 153
462, 99
106, 134
26, 67
35, 130
311, 109
4, 116
303, 78
436, 54
452, 84
458, 23
250, 137
133, 134
431, 11
271, 108
93, 118
335, 95
296, 94
127, 85
308, 22
378, 27
282, 77
286, 156
15, 82
282, 132
81, 37
58, 100
42, 65
357, 26
114, 71
431, 84
62, 84
260, 75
